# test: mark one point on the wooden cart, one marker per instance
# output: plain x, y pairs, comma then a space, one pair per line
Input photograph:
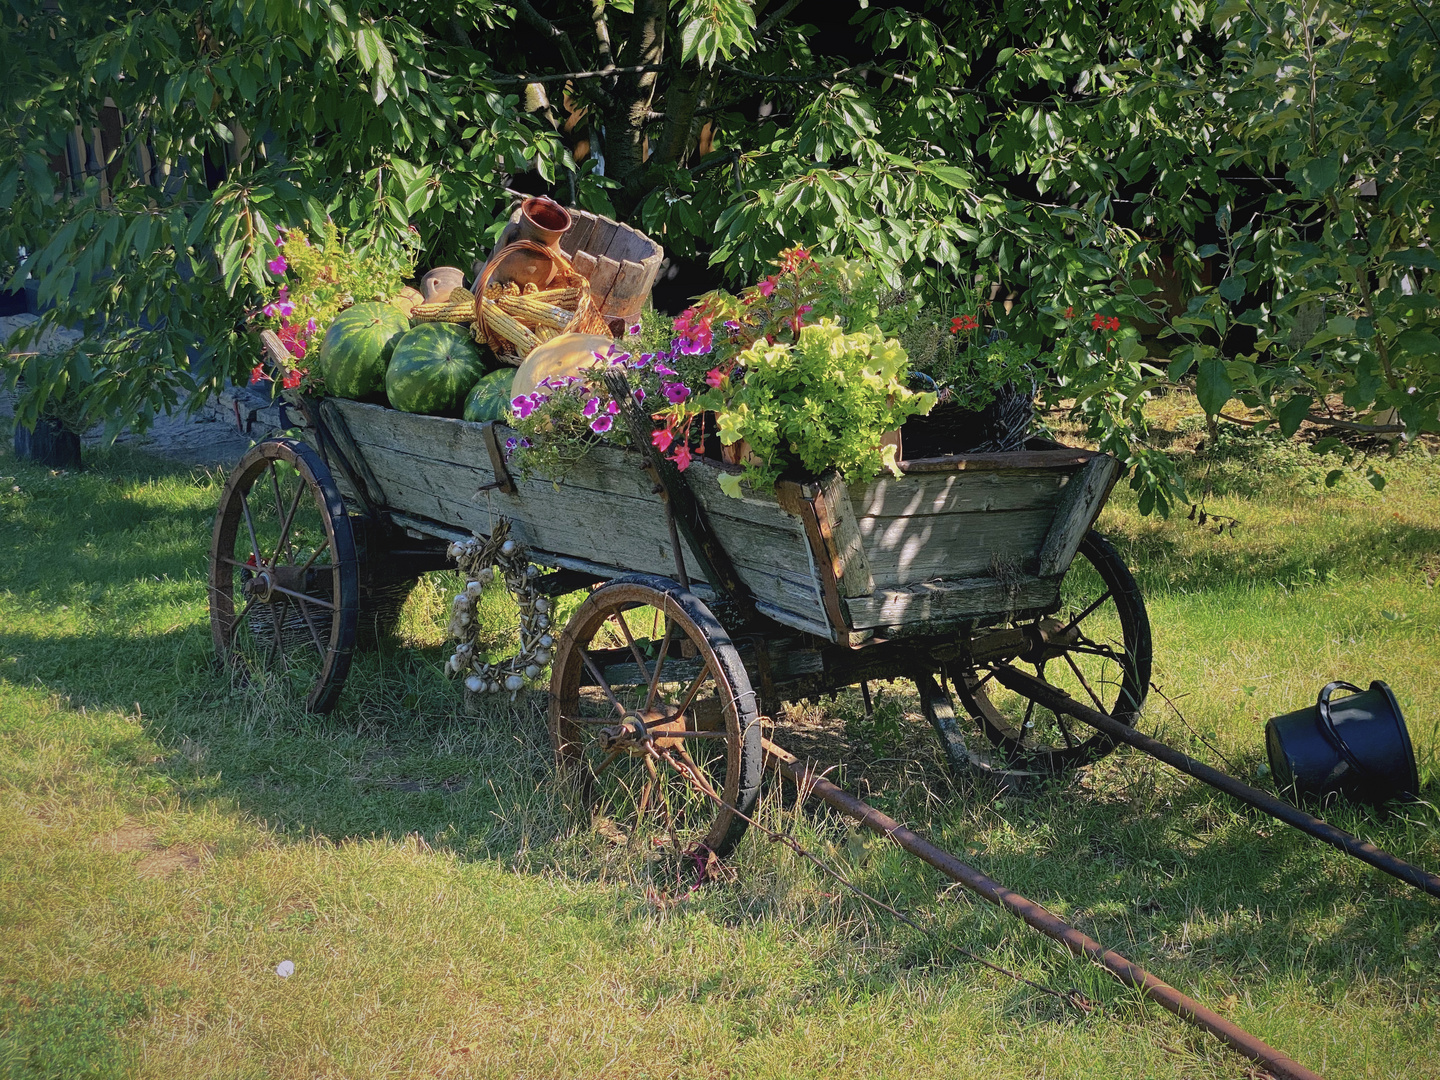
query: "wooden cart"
704, 613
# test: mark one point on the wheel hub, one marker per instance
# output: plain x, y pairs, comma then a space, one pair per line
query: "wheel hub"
263, 586
638, 731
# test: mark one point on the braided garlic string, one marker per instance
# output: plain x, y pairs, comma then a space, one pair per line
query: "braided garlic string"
479, 560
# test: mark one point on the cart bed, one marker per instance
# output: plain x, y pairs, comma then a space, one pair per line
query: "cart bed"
952, 540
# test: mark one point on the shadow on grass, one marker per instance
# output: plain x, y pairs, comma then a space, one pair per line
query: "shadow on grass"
1173, 871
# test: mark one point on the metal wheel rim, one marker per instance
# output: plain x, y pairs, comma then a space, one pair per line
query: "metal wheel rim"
1125, 702
574, 743
337, 632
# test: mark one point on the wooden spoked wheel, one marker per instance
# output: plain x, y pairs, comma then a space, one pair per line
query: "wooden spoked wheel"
283, 578
647, 688
1096, 648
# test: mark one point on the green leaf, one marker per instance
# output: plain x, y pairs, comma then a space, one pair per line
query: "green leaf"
1233, 288
730, 484
1292, 413
1333, 477
1213, 387
1321, 174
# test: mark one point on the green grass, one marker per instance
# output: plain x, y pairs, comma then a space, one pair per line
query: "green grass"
166, 841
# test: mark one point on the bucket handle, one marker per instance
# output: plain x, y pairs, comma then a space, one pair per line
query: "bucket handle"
1327, 725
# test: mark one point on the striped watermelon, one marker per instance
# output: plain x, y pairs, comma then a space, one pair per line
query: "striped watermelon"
433, 367
490, 397
357, 347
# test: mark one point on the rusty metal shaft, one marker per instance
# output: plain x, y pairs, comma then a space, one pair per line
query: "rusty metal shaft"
1047, 922
1059, 701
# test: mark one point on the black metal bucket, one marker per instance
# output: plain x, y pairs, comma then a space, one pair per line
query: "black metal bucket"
1356, 747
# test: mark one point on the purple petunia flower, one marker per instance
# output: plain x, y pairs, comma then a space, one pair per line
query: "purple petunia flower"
639, 393
601, 424
663, 369
592, 406
676, 392
269, 310
277, 265
619, 358
310, 326
286, 309
634, 328
613, 408
640, 361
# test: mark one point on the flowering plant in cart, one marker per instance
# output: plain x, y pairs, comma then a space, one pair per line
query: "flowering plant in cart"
566, 415
799, 396
315, 281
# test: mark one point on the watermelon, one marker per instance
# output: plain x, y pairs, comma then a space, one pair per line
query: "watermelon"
490, 397
356, 349
433, 367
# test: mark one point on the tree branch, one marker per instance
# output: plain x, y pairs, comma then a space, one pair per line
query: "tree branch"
860, 70
1326, 421
602, 31
774, 17
566, 76
550, 30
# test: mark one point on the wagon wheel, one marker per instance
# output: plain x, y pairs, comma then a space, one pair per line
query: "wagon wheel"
283, 577
645, 679
1098, 652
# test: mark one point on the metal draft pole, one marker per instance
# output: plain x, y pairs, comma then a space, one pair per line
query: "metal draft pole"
808, 781
1059, 701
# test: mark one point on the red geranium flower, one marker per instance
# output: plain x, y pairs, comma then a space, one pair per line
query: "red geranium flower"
1069, 313
963, 324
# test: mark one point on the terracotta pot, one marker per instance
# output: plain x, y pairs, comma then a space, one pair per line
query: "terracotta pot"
524, 263
438, 283
544, 221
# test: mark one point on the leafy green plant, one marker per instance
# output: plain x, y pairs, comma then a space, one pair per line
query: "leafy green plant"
823, 402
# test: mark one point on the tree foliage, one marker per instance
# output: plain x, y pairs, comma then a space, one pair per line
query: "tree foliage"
1277, 159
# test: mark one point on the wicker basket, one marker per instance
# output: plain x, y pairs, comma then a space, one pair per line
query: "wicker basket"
513, 320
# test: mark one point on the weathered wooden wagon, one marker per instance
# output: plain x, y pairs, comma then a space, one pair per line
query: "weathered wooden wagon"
704, 612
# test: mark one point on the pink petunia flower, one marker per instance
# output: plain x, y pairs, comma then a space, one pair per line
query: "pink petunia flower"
277, 265
592, 406
269, 310
601, 424
676, 392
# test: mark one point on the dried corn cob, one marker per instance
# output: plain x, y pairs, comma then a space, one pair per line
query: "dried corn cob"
459, 306
532, 313
507, 327
566, 298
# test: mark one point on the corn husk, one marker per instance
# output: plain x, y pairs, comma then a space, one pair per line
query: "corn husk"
458, 307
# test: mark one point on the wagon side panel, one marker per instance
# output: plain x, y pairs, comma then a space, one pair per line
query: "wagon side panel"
438, 469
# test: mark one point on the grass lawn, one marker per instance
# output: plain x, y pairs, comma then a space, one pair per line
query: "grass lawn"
167, 841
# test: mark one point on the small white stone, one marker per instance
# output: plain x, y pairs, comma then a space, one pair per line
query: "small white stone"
285, 968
